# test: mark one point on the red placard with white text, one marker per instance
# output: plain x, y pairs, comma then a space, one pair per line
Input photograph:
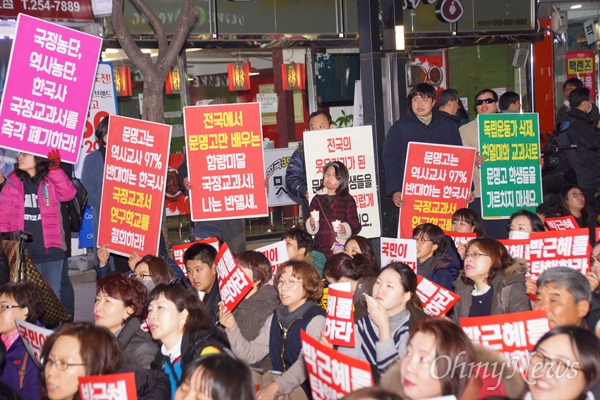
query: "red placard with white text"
133, 191
513, 334
339, 326
233, 282
561, 223
437, 182
436, 299
461, 238
179, 251
570, 248
276, 253
113, 386
33, 337
332, 374
517, 248
225, 161
399, 250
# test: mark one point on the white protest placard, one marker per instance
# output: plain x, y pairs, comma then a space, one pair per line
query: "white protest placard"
399, 250
33, 337
276, 253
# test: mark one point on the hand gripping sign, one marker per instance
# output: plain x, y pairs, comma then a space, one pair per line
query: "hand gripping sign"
339, 326
233, 282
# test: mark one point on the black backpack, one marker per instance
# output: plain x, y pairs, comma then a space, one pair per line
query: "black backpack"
76, 207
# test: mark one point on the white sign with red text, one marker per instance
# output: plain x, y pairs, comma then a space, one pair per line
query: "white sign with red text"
234, 284
339, 326
33, 338
276, 253
399, 250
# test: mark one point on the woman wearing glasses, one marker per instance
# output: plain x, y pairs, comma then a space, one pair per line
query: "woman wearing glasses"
491, 283
23, 301
573, 200
300, 288
120, 306
565, 364
435, 260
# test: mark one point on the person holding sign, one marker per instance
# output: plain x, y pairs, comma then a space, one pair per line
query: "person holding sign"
337, 218
23, 301
434, 262
491, 283
30, 202
465, 220
300, 288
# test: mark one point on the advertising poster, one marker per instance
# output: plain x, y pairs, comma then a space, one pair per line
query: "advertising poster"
437, 182
133, 191
225, 161
511, 178
354, 148
48, 86
580, 64
276, 163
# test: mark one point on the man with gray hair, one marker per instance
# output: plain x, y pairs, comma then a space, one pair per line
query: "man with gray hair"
565, 294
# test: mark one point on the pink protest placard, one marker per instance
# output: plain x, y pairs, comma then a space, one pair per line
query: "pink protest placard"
179, 251
133, 192
48, 87
276, 253
399, 250
114, 386
513, 334
233, 282
437, 182
561, 223
225, 161
339, 325
331, 374
33, 337
436, 299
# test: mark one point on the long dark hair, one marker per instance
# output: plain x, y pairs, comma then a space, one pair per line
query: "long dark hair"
470, 217
564, 195
341, 174
342, 265
41, 169
366, 249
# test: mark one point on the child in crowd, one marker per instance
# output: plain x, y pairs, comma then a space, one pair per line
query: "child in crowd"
338, 218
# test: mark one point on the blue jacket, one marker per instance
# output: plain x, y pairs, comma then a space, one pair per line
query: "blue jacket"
30, 390
410, 129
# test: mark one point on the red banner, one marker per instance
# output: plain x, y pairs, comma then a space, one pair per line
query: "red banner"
331, 374
437, 300
233, 282
514, 334
133, 191
225, 161
461, 238
179, 251
115, 386
437, 182
561, 223
339, 326
580, 64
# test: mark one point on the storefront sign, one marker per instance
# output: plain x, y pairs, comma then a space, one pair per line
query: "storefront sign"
399, 250
437, 182
436, 299
74, 10
234, 284
112, 386
48, 86
511, 175
354, 148
225, 161
339, 325
580, 65
276, 163
133, 191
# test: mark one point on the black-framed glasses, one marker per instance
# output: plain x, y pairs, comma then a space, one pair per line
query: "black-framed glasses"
4, 307
556, 366
421, 239
486, 101
140, 275
59, 364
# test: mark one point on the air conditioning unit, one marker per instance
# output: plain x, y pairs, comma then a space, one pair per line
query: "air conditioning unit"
560, 23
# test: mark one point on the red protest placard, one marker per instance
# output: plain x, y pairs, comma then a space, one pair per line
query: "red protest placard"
225, 161
437, 300
399, 250
33, 338
276, 253
233, 282
517, 248
437, 182
179, 251
339, 326
512, 334
114, 386
597, 235
331, 374
133, 191
568, 248
461, 238
561, 223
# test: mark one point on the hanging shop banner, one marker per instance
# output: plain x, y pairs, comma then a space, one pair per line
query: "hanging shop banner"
234, 284
354, 148
513, 334
48, 86
437, 182
276, 163
225, 161
399, 250
74, 10
580, 64
33, 338
436, 299
331, 374
276, 253
561, 223
180, 249
103, 103
133, 191
339, 325
111, 386
511, 178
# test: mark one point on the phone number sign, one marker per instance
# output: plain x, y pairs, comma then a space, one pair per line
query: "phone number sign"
48, 9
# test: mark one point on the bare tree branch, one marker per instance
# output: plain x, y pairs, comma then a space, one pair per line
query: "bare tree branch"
186, 20
157, 26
